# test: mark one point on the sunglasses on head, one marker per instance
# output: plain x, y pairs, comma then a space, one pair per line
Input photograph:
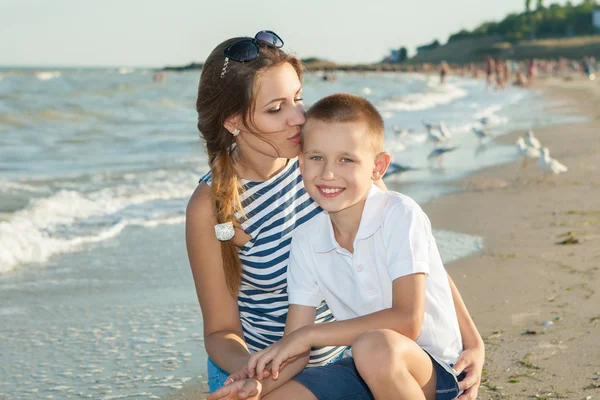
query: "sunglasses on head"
247, 49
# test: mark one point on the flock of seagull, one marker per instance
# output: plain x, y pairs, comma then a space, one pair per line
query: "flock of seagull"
528, 147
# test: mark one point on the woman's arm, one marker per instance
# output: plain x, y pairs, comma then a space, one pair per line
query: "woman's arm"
468, 330
223, 337
247, 384
473, 356
298, 317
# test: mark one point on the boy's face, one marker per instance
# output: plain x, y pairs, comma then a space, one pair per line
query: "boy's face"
338, 163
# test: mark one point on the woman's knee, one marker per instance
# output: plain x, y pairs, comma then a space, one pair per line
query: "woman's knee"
379, 351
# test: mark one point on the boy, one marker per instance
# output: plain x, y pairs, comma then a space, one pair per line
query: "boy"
373, 259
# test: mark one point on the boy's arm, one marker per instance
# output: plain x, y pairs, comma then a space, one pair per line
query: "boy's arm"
405, 316
297, 318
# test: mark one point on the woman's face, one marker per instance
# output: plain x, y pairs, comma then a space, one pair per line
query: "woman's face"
278, 114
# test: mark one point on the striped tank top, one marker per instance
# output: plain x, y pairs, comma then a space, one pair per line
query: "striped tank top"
274, 209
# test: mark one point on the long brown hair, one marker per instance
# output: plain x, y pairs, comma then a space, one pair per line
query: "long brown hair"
220, 97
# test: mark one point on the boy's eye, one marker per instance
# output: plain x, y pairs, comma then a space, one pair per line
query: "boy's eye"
346, 160
316, 158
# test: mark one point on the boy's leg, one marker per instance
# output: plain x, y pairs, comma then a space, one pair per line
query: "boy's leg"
290, 390
394, 366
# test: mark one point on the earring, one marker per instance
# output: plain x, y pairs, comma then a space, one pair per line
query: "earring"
235, 132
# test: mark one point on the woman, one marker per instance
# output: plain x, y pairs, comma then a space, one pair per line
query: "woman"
241, 216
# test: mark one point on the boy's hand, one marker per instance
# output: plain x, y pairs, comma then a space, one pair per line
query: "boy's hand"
278, 354
471, 362
245, 389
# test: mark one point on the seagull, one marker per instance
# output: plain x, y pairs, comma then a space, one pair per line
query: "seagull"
444, 131
531, 140
432, 134
484, 120
438, 153
396, 168
399, 131
550, 165
526, 152
481, 133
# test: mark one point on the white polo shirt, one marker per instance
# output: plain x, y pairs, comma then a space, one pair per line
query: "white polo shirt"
394, 239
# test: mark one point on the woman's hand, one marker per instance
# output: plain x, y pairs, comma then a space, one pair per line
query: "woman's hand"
241, 375
245, 389
471, 363
278, 354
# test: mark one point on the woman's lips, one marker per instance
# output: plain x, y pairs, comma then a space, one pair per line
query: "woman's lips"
295, 139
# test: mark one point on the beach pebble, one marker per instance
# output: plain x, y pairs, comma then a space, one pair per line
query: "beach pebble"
547, 323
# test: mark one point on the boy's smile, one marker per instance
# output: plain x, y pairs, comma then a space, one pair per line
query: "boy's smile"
329, 191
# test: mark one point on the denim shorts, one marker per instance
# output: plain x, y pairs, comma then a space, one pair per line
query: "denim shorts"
340, 380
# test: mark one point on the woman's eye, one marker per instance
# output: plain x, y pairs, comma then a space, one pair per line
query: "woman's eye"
298, 100
275, 110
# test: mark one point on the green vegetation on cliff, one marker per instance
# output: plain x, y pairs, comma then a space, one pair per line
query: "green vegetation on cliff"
544, 22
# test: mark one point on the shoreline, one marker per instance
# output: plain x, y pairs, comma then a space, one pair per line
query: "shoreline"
543, 363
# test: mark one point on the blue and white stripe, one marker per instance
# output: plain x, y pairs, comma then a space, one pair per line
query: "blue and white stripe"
274, 209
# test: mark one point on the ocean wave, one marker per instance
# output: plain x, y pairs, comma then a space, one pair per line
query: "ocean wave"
434, 96
68, 219
22, 242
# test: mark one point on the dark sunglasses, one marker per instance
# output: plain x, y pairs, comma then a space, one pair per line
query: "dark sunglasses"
247, 49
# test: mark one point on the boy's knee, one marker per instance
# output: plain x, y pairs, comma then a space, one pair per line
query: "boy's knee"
378, 351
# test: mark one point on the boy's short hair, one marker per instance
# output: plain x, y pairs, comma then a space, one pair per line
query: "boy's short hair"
346, 107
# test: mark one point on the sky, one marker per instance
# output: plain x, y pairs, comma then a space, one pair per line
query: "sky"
152, 33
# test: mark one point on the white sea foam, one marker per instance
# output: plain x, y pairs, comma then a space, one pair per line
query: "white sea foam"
434, 96
125, 70
46, 75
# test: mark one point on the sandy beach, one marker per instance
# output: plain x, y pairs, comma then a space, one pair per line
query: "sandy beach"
535, 301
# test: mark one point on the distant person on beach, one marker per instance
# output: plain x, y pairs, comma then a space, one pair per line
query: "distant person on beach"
520, 79
588, 67
531, 71
241, 217
444, 70
499, 74
507, 71
373, 258
159, 76
490, 68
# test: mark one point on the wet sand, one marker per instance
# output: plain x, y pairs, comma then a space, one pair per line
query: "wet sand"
535, 302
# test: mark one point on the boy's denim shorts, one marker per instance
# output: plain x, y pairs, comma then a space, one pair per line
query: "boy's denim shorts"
340, 380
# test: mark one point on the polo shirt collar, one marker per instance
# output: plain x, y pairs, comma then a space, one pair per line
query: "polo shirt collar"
371, 220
